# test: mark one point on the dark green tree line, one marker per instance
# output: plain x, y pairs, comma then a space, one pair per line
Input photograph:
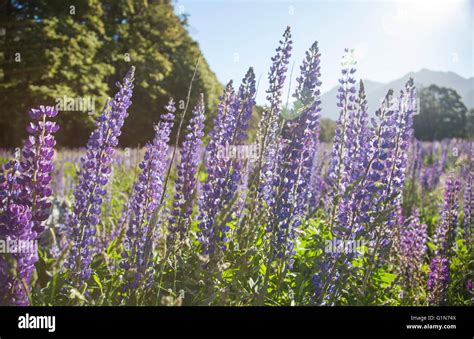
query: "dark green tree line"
52, 49
442, 114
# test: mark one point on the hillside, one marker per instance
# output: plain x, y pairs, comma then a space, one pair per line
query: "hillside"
376, 90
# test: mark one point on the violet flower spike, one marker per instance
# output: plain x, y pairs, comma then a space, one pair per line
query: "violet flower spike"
25, 189
268, 128
186, 180
144, 203
298, 151
93, 178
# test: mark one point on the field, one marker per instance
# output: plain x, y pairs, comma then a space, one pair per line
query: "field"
373, 218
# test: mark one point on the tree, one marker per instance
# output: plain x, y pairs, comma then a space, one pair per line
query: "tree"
51, 50
442, 114
150, 36
470, 124
80, 50
328, 128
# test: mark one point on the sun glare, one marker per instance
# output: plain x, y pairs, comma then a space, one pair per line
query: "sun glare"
422, 18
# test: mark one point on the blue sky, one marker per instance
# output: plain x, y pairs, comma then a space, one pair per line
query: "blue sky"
391, 38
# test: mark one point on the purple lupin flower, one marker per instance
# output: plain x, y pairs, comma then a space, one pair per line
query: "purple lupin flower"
350, 156
415, 160
268, 127
143, 204
438, 280
210, 200
432, 171
15, 225
429, 178
244, 106
363, 135
317, 184
337, 174
224, 169
186, 181
357, 154
397, 149
468, 207
379, 188
385, 175
444, 233
376, 168
412, 249
309, 94
93, 178
239, 164
438, 276
236, 162
24, 205
337, 179
430, 175
37, 164
300, 144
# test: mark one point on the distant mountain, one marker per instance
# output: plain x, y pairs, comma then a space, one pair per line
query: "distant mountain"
376, 91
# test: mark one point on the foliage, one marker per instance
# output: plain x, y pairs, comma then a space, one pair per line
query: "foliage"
52, 49
274, 219
442, 115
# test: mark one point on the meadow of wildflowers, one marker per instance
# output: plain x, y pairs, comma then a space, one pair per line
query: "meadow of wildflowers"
208, 222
